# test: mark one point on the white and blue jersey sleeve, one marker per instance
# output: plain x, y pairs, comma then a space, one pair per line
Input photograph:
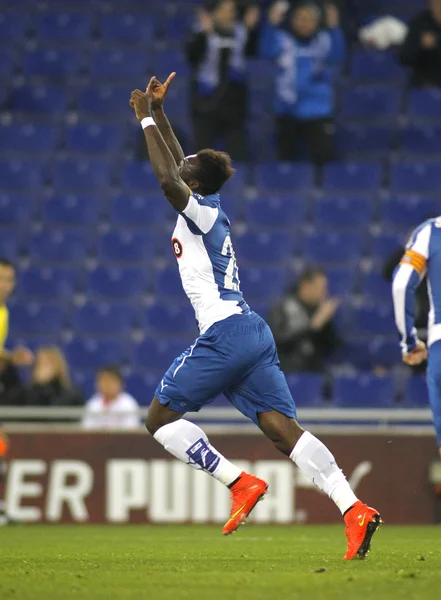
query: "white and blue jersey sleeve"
407, 277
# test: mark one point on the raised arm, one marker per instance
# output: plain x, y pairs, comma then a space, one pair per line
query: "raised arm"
162, 160
158, 92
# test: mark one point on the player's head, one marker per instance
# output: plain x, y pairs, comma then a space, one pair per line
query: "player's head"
305, 19
207, 171
312, 286
109, 382
435, 7
223, 12
7, 279
49, 365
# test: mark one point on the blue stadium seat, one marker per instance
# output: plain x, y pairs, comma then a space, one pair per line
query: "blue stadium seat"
117, 282
42, 99
142, 386
384, 351
341, 281
85, 381
103, 318
94, 138
20, 175
323, 247
9, 242
103, 101
375, 66
64, 27
262, 283
59, 245
425, 104
364, 139
14, 208
70, 175
54, 64
159, 353
404, 212
48, 282
124, 245
91, 354
127, 28
167, 61
138, 209
7, 62
384, 244
13, 26
285, 176
232, 205
264, 247
176, 26
71, 209
276, 211
340, 212
375, 319
137, 175
416, 393
28, 138
168, 319
306, 389
416, 177
32, 318
168, 284
360, 176
236, 184
364, 391
375, 286
421, 139
117, 64
371, 103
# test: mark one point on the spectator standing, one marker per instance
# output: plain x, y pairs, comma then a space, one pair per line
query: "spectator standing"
218, 53
50, 383
421, 50
111, 407
305, 55
302, 325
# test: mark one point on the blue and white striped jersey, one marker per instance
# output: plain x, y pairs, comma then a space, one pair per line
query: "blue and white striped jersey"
423, 255
202, 245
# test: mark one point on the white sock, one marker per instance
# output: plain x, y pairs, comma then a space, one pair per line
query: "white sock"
189, 443
317, 463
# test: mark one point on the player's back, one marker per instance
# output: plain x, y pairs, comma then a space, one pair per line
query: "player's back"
202, 245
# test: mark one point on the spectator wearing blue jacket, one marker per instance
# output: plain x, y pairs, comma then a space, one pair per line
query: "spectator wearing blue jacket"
305, 55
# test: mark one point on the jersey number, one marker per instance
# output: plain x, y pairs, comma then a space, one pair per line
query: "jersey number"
227, 250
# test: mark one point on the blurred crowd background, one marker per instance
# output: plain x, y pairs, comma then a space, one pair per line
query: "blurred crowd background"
332, 112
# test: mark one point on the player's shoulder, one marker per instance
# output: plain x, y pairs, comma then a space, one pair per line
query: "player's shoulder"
212, 200
424, 229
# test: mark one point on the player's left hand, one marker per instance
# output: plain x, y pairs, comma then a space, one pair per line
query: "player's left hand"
157, 91
417, 355
22, 357
140, 102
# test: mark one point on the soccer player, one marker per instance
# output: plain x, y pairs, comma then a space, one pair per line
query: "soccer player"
235, 353
423, 253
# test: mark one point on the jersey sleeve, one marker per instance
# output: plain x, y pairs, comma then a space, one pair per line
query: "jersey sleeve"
203, 217
406, 279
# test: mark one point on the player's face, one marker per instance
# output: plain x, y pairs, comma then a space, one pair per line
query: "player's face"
7, 282
225, 14
186, 169
108, 385
304, 22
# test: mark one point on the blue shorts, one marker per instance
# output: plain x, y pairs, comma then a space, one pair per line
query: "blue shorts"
434, 386
236, 357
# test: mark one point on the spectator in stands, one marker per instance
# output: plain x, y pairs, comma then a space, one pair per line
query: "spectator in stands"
10, 383
50, 382
111, 407
217, 52
421, 50
304, 100
302, 324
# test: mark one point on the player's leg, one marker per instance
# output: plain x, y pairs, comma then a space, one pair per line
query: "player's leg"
287, 129
320, 134
434, 387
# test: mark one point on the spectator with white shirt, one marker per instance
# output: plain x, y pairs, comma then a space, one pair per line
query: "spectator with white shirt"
111, 407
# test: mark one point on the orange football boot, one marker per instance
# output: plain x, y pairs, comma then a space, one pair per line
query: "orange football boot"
245, 494
362, 522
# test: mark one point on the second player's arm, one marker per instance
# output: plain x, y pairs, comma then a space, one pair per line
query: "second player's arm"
168, 135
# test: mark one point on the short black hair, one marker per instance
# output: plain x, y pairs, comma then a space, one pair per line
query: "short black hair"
308, 275
5, 262
112, 370
213, 170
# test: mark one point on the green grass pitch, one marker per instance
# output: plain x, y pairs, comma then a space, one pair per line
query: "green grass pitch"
174, 562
